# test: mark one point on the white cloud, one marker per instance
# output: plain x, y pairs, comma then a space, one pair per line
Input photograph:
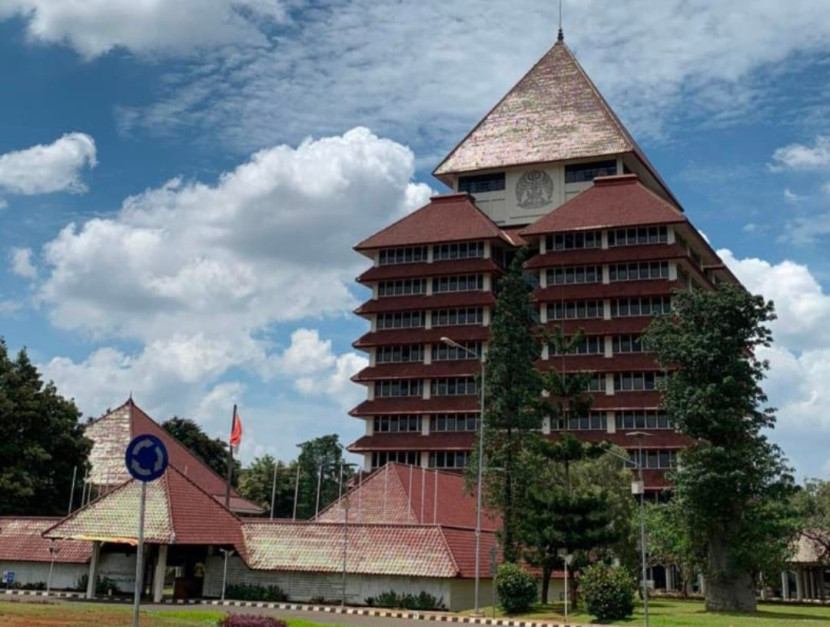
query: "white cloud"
791, 197
94, 27
800, 357
678, 59
803, 157
54, 167
9, 307
21, 263
269, 242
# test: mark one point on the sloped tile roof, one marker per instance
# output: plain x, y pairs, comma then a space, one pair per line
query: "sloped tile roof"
177, 511
554, 113
421, 335
447, 218
442, 404
436, 268
401, 494
436, 301
419, 370
21, 540
611, 202
402, 550
112, 432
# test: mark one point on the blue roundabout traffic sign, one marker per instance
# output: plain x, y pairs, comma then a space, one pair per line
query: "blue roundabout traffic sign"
146, 458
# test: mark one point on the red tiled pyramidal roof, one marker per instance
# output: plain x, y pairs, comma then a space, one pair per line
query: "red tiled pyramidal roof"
112, 432
399, 494
447, 218
21, 541
177, 511
612, 201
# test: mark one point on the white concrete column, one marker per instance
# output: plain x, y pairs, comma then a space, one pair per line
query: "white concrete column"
93, 570
610, 422
669, 577
785, 585
799, 583
158, 575
427, 354
425, 424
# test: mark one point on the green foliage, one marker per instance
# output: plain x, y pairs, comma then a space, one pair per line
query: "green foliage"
812, 505
669, 540
734, 487
421, 601
608, 592
41, 441
255, 592
212, 451
250, 620
324, 452
579, 504
256, 482
513, 406
516, 588
103, 585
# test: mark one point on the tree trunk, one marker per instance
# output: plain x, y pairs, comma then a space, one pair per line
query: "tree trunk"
545, 583
728, 587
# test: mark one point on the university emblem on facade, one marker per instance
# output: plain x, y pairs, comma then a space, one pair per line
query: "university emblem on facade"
534, 189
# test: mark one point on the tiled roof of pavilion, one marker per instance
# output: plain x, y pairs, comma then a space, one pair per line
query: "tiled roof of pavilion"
177, 511
400, 550
447, 218
21, 540
113, 431
401, 494
611, 202
554, 113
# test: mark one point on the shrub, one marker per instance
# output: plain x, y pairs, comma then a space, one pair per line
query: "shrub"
318, 600
516, 588
250, 620
254, 592
103, 585
608, 592
421, 601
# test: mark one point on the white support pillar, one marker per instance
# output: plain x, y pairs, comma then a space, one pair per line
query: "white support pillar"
799, 583
93, 570
158, 576
785, 585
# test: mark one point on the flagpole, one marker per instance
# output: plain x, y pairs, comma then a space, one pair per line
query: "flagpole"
230, 463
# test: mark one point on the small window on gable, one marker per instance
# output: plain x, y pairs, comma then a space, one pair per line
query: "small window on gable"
481, 183
587, 172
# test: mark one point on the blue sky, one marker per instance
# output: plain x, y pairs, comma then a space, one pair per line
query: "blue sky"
181, 182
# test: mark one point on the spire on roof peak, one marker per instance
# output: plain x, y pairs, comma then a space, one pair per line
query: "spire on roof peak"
560, 38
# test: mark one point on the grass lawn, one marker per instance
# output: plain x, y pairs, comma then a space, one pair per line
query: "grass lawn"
677, 613
45, 614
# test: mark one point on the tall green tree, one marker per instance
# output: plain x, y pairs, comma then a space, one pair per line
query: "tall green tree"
257, 481
41, 441
579, 504
733, 484
320, 462
212, 451
513, 406
669, 541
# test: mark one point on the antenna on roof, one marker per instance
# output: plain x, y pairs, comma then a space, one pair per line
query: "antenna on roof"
561, 36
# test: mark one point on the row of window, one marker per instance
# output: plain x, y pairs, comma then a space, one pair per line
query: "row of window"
574, 275
639, 270
408, 254
411, 423
399, 354
573, 241
629, 381
446, 352
574, 173
644, 419
572, 310
407, 287
641, 235
460, 459
440, 252
456, 386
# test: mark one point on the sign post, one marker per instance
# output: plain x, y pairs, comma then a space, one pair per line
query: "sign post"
146, 460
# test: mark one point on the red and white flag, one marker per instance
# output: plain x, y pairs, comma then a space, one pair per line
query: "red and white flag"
236, 432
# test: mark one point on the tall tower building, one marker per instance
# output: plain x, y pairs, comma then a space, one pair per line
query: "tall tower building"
550, 168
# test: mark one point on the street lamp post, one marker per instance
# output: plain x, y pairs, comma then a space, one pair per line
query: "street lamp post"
480, 473
227, 553
638, 487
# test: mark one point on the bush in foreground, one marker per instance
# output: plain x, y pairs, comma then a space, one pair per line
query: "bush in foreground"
254, 592
516, 588
421, 601
250, 620
608, 592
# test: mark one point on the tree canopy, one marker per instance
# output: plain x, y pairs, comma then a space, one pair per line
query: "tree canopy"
41, 441
733, 485
256, 483
320, 457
